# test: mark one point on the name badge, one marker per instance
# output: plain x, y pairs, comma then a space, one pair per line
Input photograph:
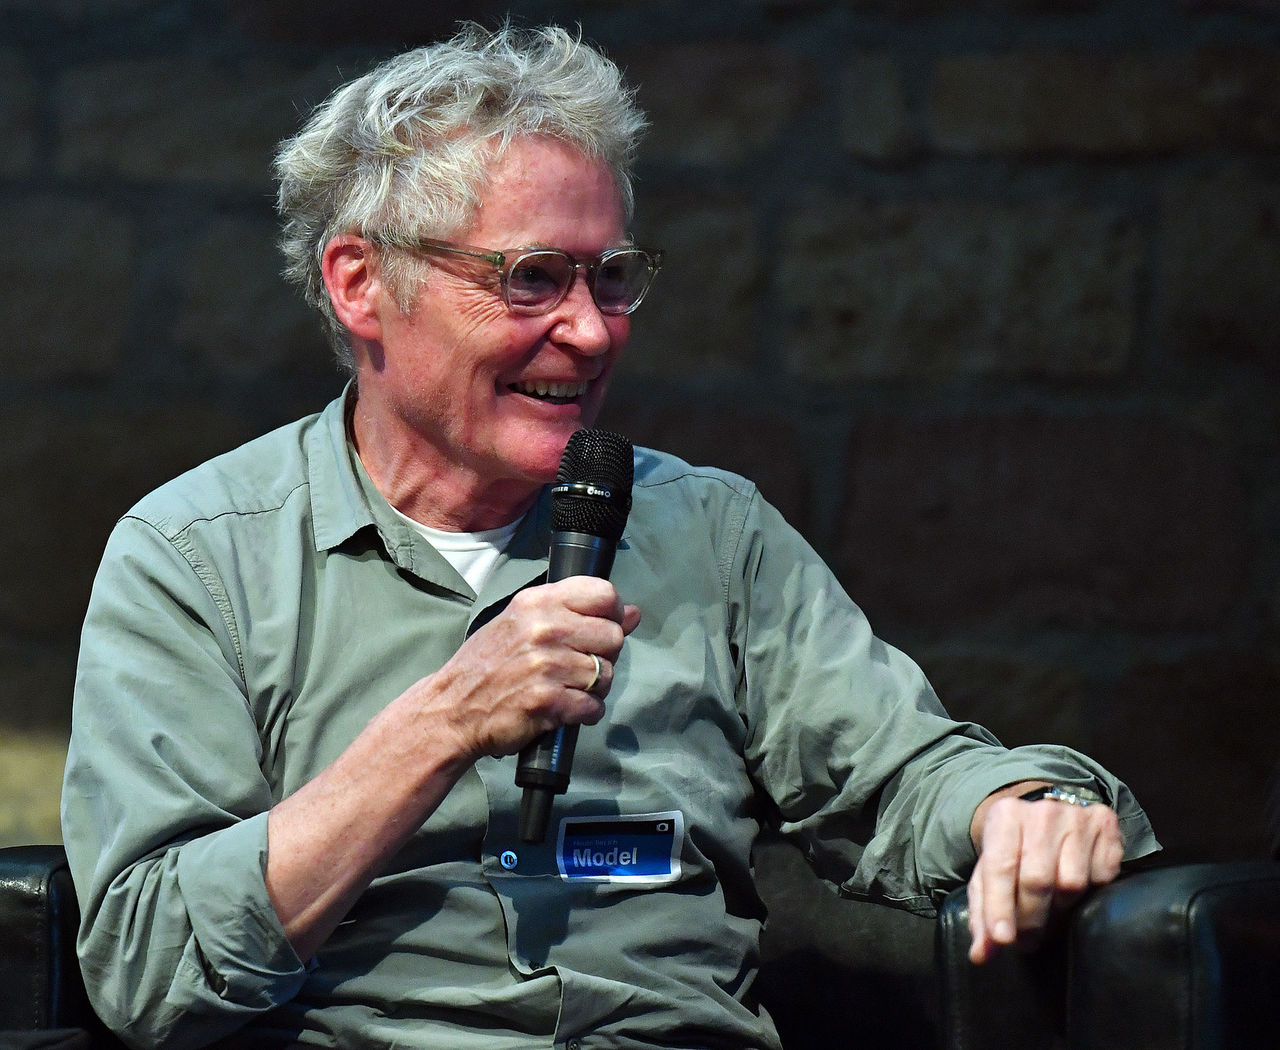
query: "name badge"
642, 850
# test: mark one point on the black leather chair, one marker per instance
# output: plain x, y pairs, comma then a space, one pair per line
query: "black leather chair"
1179, 958
1185, 957
42, 997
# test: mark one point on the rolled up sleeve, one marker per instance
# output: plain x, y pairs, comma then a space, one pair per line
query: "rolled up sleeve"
867, 770
165, 804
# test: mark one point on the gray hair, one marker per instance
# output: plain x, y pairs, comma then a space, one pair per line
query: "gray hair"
404, 152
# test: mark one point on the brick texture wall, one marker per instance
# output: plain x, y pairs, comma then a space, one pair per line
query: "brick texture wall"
984, 293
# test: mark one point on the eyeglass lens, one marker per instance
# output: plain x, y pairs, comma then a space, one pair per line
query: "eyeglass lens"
538, 280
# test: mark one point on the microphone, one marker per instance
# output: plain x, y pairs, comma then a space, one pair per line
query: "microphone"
590, 501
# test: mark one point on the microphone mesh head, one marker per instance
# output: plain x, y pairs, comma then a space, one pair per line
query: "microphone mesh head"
592, 493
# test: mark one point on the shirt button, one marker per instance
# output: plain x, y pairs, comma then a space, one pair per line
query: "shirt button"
573, 1044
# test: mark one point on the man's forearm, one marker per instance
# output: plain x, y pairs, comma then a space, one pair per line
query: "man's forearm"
329, 839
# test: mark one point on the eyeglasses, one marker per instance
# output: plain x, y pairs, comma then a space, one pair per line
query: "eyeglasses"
536, 280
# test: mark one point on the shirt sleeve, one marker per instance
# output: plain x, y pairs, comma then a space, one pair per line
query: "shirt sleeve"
164, 806
849, 740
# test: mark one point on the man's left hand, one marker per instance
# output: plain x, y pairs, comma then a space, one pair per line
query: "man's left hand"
1034, 858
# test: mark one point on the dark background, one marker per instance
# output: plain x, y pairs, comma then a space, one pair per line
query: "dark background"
984, 293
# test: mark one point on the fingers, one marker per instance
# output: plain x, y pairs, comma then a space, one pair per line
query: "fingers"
547, 660
1037, 858
599, 631
630, 618
992, 888
589, 596
582, 613
980, 943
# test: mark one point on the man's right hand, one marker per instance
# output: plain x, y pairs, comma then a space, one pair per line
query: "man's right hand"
528, 670
521, 674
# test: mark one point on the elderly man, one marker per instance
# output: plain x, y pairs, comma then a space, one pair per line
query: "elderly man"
290, 807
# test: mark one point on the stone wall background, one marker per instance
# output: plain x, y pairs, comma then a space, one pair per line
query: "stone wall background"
984, 293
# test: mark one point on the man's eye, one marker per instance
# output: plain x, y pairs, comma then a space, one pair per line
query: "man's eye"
532, 276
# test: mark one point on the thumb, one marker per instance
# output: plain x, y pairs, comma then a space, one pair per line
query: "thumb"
630, 618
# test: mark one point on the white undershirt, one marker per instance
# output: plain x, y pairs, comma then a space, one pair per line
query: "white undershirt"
472, 554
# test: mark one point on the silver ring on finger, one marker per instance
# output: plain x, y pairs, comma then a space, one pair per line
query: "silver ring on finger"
595, 678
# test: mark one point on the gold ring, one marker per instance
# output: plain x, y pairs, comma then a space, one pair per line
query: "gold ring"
595, 678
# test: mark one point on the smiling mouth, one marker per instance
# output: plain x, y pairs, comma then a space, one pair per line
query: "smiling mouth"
556, 393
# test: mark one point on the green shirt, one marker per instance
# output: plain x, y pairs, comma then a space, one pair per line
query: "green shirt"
250, 618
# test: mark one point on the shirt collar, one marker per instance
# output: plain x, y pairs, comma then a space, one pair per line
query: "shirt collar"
339, 508
344, 500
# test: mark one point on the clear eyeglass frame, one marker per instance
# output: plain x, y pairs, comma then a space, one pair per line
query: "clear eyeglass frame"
529, 265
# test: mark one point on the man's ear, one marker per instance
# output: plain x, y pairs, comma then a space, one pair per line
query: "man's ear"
351, 277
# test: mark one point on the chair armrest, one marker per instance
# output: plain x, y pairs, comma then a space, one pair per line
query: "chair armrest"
42, 998
1184, 956
1015, 999
40, 983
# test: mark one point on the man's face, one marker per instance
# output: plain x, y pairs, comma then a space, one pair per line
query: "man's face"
491, 393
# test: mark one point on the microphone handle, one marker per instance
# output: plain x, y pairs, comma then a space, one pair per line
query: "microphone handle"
579, 554
543, 768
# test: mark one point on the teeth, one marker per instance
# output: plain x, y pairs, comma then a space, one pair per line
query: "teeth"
541, 388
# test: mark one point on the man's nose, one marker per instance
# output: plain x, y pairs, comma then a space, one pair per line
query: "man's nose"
584, 323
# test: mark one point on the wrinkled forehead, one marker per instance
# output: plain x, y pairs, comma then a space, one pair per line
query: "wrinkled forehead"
542, 191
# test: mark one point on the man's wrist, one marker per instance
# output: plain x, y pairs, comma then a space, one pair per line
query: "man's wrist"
1014, 790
